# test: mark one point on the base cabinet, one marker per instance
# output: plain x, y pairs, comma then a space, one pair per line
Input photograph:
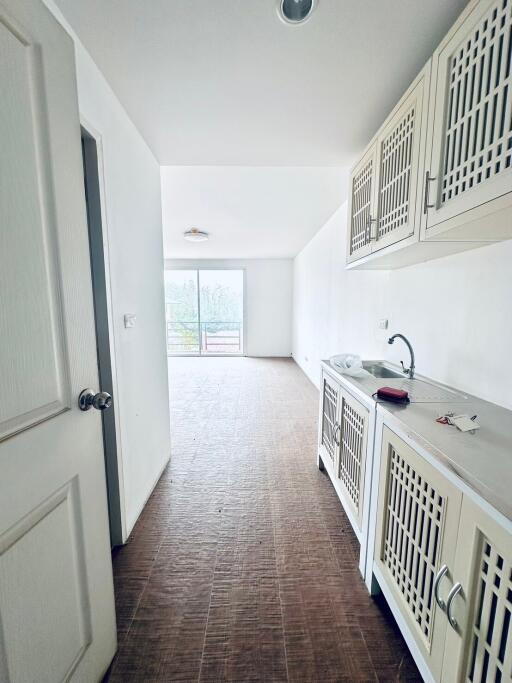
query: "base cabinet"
343, 446
417, 521
446, 562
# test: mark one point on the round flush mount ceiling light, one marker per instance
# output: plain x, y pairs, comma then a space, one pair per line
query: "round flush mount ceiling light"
195, 235
295, 11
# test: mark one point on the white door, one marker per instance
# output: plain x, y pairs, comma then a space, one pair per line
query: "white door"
57, 618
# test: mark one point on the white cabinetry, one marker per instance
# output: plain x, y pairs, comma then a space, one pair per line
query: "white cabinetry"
444, 563
470, 145
437, 177
417, 522
385, 188
353, 421
345, 445
362, 205
329, 421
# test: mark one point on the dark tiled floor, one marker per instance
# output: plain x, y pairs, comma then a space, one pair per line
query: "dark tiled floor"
243, 566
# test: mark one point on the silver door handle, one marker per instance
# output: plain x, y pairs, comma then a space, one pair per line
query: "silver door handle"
88, 399
442, 572
426, 205
336, 435
371, 221
449, 601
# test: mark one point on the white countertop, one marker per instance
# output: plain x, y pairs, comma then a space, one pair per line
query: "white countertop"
483, 459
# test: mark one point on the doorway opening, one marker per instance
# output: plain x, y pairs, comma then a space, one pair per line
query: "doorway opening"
100, 290
204, 310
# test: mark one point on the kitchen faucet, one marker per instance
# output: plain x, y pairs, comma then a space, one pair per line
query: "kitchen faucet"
410, 370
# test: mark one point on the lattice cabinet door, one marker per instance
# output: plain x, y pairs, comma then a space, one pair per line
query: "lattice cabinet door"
400, 159
479, 645
330, 428
417, 521
471, 103
362, 210
352, 455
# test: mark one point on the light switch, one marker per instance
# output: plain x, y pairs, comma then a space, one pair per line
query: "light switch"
383, 324
130, 319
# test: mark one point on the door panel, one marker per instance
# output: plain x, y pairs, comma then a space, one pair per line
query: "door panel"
330, 425
57, 617
352, 460
33, 362
472, 135
50, 530
360, 214
400, 152
418, 516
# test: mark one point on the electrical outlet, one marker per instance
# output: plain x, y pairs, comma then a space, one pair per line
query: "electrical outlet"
383, 324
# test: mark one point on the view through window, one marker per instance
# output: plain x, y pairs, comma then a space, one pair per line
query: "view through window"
204, 312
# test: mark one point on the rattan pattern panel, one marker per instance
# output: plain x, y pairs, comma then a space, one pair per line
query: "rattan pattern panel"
361, 202
491, 644
478, 132
395, 175
351, 451
414, 518
329, 424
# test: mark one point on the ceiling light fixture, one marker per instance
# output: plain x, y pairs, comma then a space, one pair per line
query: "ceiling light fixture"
195, 235
295, 11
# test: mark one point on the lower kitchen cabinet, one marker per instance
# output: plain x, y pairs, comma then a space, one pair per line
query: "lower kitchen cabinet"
343, 447
479, 640
417, 521
444, 562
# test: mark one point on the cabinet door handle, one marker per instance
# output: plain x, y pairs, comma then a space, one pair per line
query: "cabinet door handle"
371, 221
449, 601
442, 572
336, 435
426, 193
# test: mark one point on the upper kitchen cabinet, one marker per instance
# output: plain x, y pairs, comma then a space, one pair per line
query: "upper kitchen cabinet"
468, 186
437, 177
385, 188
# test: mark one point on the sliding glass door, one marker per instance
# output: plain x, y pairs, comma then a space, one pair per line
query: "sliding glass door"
204, 312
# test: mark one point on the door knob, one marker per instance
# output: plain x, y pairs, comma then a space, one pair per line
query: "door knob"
88, 399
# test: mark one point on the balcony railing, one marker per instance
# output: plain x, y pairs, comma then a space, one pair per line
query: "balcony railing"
192, 337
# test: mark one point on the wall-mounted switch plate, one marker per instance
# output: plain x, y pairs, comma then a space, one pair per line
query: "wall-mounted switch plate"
383, 324
130, 319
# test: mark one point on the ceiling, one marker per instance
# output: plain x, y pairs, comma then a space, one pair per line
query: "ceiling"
250, 212
225, 82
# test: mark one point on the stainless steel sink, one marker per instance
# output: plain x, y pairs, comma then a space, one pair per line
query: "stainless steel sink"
381, 370
419, 390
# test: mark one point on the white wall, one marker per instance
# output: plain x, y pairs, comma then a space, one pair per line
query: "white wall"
457, 312
133, 226
268, 301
